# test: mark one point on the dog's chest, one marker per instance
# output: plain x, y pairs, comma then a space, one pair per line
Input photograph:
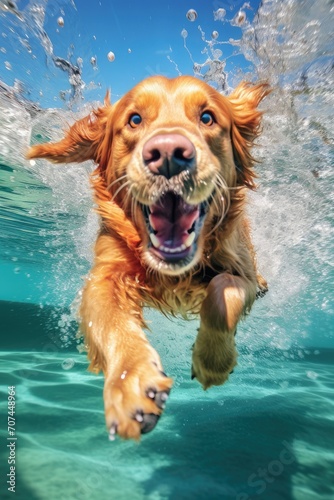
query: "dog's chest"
177, 296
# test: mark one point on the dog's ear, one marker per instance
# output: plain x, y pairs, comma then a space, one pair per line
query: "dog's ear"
84, 140
246, 127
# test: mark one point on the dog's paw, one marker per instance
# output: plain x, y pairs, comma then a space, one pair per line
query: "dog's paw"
212, 368
135, 399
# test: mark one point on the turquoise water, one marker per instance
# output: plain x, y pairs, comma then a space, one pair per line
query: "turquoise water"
268, 433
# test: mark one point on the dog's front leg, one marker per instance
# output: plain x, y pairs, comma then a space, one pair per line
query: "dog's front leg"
214, 353
136, 387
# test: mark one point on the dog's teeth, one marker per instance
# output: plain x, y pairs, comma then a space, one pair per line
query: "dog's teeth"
151, 222
155, 241
190, 240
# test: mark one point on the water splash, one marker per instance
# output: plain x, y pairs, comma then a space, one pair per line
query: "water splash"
212, 70
292, 212
286, 35
293, 220
29, 29
10, 6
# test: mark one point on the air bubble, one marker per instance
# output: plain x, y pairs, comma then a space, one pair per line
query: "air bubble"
191, 15
111, 56
184, 33
217, 54
214, 35
239, 19
93, 61
219, 14
82, 348
60, 22
68, 363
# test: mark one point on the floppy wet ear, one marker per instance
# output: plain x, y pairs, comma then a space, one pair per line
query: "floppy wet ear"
84, 140
246, 127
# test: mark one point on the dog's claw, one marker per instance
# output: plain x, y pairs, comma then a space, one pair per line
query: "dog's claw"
193, 375
161, 398
150, 420
151, 393
112, 432
139, 416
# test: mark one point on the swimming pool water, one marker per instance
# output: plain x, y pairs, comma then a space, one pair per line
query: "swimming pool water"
268, 433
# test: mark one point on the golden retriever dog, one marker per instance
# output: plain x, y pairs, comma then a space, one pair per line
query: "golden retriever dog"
173, 166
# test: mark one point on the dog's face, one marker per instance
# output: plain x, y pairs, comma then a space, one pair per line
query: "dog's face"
173, 155
171, 151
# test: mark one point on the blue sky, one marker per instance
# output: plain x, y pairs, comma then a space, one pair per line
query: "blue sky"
141, 34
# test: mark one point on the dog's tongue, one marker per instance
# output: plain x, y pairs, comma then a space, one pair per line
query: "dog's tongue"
171, 218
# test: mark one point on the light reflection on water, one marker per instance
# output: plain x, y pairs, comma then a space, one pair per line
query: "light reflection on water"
262, 433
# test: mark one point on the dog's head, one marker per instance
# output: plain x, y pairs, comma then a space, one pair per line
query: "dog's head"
170, 153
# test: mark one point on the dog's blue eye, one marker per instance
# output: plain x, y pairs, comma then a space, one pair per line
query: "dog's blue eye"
207, 118
135, 120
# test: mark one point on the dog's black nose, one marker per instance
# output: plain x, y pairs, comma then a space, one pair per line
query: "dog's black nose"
169, 154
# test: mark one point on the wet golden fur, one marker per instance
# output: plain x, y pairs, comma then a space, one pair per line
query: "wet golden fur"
222, 281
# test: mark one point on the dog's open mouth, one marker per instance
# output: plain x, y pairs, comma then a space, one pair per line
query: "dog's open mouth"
174, 226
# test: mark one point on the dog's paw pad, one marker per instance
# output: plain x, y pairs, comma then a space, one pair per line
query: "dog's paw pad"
144, 422
208, 378
148, 422
135, 402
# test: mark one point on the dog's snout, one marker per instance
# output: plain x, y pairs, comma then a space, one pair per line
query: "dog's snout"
169, 154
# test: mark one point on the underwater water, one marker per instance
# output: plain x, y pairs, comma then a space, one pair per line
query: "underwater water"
268, 433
